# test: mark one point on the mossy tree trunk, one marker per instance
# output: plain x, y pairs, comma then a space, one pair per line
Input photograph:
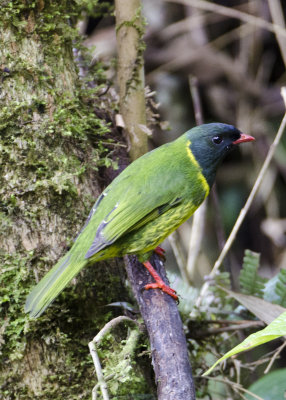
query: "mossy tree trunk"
51, 147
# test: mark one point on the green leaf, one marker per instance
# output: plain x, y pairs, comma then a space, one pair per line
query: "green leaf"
250, 281
280, 288
273, 331
270, 386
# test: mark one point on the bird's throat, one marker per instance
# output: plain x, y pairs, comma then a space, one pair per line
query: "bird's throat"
201, 175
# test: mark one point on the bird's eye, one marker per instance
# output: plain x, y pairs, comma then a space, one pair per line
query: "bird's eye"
217, 139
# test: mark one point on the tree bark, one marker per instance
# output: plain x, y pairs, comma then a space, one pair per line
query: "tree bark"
130, 74
51, 145
167, 339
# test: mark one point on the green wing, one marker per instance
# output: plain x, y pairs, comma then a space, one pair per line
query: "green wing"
137, 196
132, 211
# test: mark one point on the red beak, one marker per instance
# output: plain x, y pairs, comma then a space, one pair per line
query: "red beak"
244, 138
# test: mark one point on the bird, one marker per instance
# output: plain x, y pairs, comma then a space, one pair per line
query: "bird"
146, 202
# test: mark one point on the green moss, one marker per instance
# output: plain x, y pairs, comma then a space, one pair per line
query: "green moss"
120, 363
60, 337
13, 274
52, 147
44, 17
56, 156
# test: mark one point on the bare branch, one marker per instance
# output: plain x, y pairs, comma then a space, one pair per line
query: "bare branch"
235, 386
198, 224
233, 13
96, 361
274, 357
167, 339
278, 19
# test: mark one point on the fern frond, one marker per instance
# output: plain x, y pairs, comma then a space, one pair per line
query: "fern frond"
250, 282
223, 279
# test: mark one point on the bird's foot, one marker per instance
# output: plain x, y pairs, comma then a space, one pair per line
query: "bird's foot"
159, 283
161, 252
165, 288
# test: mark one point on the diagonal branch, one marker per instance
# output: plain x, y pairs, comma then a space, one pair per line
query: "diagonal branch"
233, 13
167, 339
276, 12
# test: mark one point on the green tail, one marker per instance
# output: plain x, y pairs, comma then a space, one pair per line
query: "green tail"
54, 282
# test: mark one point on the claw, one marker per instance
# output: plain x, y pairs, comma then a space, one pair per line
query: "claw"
165, 288
159, 283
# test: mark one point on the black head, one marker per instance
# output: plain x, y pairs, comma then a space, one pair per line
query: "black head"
210, 143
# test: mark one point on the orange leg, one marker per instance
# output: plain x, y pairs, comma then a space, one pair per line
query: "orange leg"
160, 284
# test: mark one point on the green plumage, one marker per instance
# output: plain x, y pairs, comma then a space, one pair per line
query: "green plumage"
142, 206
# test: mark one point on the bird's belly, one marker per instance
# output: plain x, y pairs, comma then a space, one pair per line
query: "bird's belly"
152, 234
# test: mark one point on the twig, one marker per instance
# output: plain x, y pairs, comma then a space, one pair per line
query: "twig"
110, 325
96, 361
247, 205
233, 13
234, 385
278, 19
98, 370
178, 252
193, 83
199, 216
275, 355
94, 390
220, 233
195, 21
234, 327
234, 322
226, 38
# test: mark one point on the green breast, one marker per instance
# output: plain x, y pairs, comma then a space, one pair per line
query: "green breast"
151, 235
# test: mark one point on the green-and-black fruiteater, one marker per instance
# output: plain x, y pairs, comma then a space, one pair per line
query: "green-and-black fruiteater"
142, 206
